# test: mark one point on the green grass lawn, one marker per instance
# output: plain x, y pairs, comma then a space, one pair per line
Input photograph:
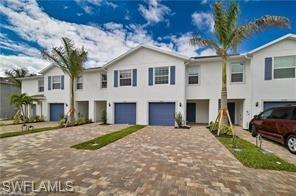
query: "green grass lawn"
251, 156
17, 133
104, 140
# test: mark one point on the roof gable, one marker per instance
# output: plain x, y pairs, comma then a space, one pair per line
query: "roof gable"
288, 36
156, 49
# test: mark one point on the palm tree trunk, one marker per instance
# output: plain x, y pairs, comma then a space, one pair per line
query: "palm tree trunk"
224, 107
72, 102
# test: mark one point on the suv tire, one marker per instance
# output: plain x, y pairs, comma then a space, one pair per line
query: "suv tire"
291, 143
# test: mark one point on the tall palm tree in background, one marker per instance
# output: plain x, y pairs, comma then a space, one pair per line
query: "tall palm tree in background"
15, 73
70, 60
228, 35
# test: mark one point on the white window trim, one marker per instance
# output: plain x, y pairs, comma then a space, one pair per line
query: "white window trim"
79, 83
198, 74
273, 68
52, 83
101, 81
131, 70
169, 75
244, 71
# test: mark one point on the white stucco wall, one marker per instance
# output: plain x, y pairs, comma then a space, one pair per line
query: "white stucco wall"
142, 94
275, 89
30, 87
246, 94
210, 82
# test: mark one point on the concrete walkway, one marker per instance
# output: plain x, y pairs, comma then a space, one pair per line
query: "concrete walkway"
152, 161
276, 148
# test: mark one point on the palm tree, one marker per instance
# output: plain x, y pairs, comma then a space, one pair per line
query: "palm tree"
21, 102
70, 60
228, 35
15, 73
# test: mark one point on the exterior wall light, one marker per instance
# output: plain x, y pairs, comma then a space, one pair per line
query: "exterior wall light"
257, 104
109, 104
180, 104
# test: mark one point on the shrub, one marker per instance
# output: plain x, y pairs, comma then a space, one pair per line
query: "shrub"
62, 122
82, 120
104, 117
224, 129
179, 120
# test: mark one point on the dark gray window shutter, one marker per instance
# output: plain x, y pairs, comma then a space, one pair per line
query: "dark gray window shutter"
150, 76
49, 83
134, 77
115, 78
62, 81
268, 69
173, 74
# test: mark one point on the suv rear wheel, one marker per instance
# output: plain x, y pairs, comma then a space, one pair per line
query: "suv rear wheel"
253, 130
291, 143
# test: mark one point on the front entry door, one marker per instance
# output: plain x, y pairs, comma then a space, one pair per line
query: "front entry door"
191, 112
231, 109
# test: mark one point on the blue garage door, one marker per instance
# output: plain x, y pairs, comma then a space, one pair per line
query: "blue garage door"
125, 113
56, 111
162, 114
270, 104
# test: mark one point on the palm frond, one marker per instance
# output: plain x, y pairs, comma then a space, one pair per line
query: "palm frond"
220, 22
232, 15
265, 22
198, 41
15, 73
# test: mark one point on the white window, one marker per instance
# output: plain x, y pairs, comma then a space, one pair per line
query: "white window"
161, 75
56, 82
104, 81
284, 67
125, 78
193, 76
41, 85
237, 72
79, 83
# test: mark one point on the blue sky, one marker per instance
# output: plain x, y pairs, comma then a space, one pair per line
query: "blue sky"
109, 28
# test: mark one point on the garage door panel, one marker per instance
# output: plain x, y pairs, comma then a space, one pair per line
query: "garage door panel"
270, 104
56, 111
125, 113
162, 114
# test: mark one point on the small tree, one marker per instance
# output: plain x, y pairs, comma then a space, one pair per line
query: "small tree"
104, 117
179, 120
21, 102
70, 60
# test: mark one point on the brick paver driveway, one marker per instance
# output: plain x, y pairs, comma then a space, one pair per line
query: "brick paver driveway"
152, 161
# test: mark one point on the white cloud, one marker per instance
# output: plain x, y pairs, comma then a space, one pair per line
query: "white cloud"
103, 43
32, 64
25, 49
203, 21
207, 52
182, 44
88, 5
154, 11
204, 1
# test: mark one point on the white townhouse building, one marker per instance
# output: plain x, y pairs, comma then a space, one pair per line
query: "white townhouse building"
148, 85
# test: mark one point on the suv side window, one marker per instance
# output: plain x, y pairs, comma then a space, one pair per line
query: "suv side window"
266, 114
294, 115
281, 113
